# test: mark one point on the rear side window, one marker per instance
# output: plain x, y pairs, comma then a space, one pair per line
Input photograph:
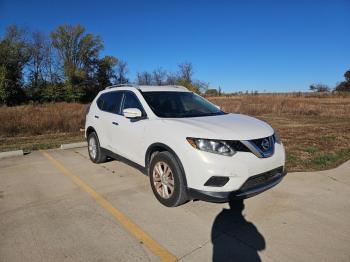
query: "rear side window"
110, 102
100, 102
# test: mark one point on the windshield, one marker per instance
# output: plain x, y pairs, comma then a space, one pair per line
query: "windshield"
180, 104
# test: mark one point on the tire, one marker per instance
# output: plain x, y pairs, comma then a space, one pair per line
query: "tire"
94, 149
169, 190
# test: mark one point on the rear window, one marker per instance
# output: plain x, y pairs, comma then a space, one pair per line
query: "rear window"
110, 102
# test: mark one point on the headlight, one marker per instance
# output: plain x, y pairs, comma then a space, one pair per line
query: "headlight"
277, 137
212, 146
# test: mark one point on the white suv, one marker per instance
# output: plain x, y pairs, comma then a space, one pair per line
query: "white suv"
189, 148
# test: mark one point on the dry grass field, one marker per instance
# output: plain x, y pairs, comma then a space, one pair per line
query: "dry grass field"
315, 129
32, 127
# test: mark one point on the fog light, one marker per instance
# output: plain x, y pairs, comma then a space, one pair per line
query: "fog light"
217, 181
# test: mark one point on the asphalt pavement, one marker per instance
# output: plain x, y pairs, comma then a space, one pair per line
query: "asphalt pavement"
56, 205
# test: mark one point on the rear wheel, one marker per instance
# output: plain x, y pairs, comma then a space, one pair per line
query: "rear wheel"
166, 180
94, 149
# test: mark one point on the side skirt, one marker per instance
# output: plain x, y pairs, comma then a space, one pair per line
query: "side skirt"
117, 157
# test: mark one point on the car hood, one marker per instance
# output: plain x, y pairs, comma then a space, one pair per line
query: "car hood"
225, 127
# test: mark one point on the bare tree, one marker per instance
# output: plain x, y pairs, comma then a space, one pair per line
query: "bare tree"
53, 69
159, 77
186, 71
121, 72
200, 86
39, 50
144, 78
319, 88
171, 79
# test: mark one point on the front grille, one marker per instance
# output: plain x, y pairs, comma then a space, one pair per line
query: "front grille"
262, 179
261, 147
238, 146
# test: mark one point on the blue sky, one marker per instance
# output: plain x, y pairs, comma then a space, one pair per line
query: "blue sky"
238, 45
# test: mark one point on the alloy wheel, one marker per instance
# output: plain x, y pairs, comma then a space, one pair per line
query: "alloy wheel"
163, 180
93, 147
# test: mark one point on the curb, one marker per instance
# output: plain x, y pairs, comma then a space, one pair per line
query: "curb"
11, 154
73, 145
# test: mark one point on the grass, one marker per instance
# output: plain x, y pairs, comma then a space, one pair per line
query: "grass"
31, 120
33, 127
30, 143
314, 129
311, 149
325, 159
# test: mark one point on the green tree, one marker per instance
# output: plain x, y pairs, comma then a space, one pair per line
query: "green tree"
53, 92
79, 53
347, 76
14, 55
345, 85
106, 71
188, 85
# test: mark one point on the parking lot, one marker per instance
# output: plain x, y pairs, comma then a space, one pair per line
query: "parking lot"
57, 205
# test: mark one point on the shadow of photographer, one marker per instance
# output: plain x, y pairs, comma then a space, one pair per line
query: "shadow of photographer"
233, 237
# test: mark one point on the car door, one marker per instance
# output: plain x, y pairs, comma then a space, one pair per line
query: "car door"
131, 132
111, 114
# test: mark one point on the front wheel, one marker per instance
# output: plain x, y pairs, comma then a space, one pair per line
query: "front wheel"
166, 180
94, 149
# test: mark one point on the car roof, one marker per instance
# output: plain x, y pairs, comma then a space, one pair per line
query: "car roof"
171, 88
163, 88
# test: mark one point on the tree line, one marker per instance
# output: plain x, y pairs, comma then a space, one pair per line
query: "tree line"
343, 86
66, 65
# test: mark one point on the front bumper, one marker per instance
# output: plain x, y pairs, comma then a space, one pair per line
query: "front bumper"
201, 166
253, 186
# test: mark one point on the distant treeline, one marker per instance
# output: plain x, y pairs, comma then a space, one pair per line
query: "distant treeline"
66, 65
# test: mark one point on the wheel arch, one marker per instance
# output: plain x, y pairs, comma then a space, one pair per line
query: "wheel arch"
89, 130
160, 147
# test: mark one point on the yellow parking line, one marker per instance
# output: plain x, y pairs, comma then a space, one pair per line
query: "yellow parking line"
130, 226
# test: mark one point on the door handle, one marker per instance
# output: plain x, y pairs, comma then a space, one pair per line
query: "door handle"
115, 123
97, 117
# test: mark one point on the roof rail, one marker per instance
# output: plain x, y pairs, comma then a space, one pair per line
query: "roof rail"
181, 87
137, 86
120, 85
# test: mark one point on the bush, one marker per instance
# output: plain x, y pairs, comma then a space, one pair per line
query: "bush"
343, 87
212, 92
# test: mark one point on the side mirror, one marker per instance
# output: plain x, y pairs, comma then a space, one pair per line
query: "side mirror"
132, 113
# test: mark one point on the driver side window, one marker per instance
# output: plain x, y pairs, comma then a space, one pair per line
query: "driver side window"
131, 101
